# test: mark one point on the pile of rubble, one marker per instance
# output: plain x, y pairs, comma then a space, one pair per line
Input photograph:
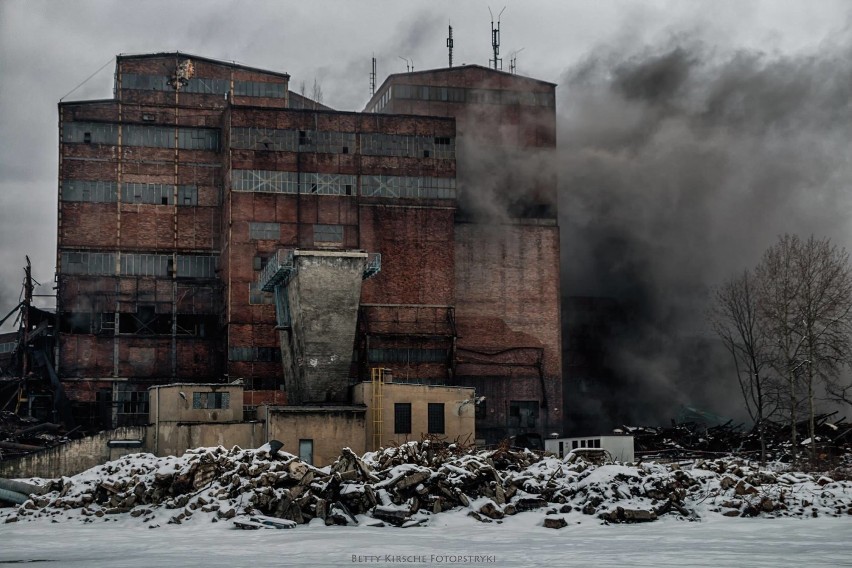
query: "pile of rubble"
405, 486
694, 439
19, 436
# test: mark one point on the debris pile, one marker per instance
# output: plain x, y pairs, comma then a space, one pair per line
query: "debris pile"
19, 436
694, 439
405, 486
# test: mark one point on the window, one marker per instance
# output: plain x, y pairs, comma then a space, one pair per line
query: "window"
258, 296
264, 231
523, 413
306, 451
264, 181
271, 139
408, 187
145, 265
259, 354
327, 184
210, 400
89, 191
406, 355
402, 418
436, 418
94, 263
258, 89
8, 347
328, 234
196, 266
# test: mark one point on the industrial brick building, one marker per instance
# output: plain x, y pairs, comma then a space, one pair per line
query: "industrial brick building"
215, 226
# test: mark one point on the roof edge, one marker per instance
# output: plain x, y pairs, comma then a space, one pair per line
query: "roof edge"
121, 56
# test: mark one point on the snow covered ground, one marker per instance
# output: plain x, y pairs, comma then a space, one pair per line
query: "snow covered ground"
715, 542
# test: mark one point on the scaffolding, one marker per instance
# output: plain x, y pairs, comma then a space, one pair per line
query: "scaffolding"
377, 380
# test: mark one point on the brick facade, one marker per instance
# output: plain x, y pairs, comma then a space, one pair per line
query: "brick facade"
171, 200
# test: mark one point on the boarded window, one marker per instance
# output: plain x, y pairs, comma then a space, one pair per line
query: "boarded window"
402, 418
265, 231
436, 418
328, 234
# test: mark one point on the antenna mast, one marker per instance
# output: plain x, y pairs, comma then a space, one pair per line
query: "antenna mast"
373, 78
450, 45
513, 62
495, 40
409, 63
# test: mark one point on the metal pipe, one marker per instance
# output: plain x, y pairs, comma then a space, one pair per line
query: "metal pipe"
13, 497
21, 487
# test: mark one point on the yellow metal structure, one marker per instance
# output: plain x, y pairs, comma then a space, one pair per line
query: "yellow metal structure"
377, 378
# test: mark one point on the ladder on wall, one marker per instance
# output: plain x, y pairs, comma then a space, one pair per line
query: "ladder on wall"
377, 380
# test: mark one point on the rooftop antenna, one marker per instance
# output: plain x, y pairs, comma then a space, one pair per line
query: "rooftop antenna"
373, 78
450, 45
513, 61
495, 40
409, 64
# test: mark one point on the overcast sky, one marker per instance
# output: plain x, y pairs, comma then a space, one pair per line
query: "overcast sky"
47, 48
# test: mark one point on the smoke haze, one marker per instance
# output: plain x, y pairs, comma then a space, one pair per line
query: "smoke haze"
680, 166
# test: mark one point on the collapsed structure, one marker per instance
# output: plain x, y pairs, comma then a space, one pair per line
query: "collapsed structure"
215, 226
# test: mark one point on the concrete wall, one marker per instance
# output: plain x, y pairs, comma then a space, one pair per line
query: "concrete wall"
75, 456
173, 439
167, 405
459, 411
331, 428
323, 296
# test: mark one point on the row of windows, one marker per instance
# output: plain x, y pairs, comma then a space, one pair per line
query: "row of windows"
434, 415
272, 232
408, 355
477, 96
412, 187
106, 192
139, 135
8, 347
203, 85
333, 142
262, 354
422, 187
134, 264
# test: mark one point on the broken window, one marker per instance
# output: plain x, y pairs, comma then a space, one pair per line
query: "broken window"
436, 417
264, 181
261, 354
146, 321
408, 187
265, 231
402, 418
273, 139
327, 184
523, 413
257, 296
210, 400
326, 141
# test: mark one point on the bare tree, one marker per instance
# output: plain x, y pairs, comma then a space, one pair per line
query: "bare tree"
778, 283
806, 306
736, 319
825, 310
316, 93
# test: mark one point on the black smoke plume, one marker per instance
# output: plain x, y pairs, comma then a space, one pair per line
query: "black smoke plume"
680, 166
